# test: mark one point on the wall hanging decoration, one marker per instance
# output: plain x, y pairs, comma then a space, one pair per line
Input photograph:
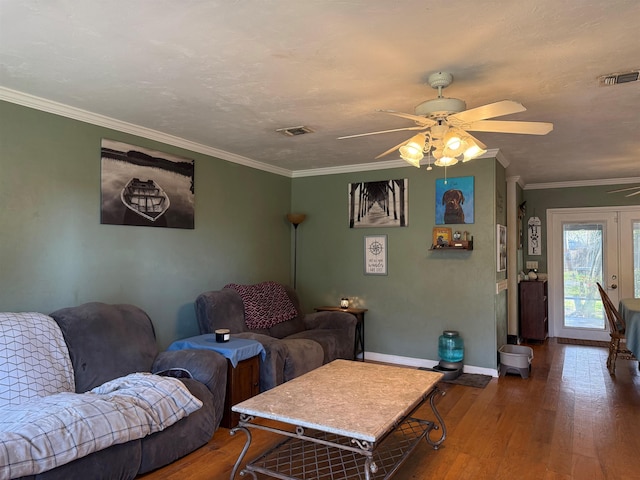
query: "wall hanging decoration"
454, 200
501, 254
375, 255
144, 187
534, 228
378, 204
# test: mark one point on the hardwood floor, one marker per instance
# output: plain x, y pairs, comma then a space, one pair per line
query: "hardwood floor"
569, 420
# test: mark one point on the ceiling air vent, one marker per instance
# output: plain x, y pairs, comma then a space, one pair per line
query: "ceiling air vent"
616, 78
293, 131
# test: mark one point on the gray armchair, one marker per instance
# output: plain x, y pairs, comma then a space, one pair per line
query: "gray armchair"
293, 347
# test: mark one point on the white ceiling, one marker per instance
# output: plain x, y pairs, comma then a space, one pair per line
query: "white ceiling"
226, 74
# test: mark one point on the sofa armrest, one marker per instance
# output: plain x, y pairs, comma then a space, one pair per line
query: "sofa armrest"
330, 320
272, 366
206, 366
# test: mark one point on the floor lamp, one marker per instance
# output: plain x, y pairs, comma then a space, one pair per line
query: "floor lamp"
295, 219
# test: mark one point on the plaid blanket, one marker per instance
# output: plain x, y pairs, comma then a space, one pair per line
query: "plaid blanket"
46, 432
265, 304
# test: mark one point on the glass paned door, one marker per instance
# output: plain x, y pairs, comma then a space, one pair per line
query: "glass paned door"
630, 253
585, 246
582, 258
582, 250
636, 259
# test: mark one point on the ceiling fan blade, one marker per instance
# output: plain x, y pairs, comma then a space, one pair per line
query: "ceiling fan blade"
392, 149
625, 189
382, 131
426, 122
502, 126
491, 110
478, 142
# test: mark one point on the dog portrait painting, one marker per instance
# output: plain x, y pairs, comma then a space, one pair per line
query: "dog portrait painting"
454, 201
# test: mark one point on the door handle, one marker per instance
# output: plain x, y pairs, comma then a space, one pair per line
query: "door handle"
613, 286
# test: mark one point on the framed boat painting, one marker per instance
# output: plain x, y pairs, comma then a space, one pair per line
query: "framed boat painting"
145, 187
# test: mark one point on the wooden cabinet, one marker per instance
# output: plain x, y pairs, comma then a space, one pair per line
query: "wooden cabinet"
243, 382
534, 318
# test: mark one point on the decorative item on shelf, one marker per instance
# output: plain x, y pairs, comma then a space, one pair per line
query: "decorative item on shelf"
442, 237
532, 275
295, 219
344, 303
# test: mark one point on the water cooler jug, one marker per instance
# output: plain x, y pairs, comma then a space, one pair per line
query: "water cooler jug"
451, 353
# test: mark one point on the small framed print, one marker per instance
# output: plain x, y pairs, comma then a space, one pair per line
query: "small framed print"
501, 253
441, 237
375, 255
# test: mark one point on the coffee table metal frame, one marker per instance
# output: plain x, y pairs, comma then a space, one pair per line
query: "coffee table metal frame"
311, 453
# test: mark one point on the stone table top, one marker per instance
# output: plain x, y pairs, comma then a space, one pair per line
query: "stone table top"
354, 399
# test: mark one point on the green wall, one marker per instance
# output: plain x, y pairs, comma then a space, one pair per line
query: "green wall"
501, 300
55, 253
538, 201
425, 291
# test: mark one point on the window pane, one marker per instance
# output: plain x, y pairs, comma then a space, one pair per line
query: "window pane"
582, 269
636, 259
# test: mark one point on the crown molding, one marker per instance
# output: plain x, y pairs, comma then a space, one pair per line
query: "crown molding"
365, 167
498, 156
360, 167
582, 183
515, 179
56, 108
31, 101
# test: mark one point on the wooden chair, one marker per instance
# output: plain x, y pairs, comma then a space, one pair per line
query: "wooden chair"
617, 327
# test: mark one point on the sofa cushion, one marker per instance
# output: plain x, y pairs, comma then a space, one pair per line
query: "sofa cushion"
284, 329
185, 436
106, 341
303, 355
50, 431
265, 304
34, 360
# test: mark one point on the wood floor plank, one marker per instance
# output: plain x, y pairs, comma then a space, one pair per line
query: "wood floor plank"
570, 420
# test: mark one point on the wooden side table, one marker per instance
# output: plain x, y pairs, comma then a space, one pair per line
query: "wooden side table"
243, 382
358, 347
243, 368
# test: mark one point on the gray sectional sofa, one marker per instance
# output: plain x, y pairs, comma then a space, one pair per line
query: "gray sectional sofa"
107, 342
293, 347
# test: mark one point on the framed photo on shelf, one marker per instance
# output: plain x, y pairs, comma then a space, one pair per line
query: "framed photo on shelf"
375, 255
442, 237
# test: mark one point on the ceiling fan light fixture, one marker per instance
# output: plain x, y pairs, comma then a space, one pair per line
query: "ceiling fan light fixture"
453, 140
412, 160
445, 161
472, 151
412, 151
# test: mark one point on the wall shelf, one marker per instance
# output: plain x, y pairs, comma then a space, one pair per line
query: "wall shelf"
455, 245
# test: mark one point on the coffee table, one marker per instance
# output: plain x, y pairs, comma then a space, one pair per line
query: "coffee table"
343, 420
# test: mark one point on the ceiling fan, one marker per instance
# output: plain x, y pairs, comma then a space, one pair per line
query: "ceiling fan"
628, 189
445, 124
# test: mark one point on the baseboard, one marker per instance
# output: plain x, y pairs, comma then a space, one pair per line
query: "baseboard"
420, 362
